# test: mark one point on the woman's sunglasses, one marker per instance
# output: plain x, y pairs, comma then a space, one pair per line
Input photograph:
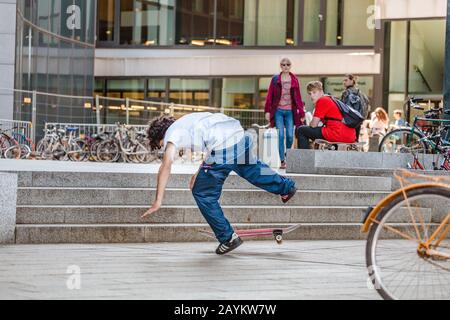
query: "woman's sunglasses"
285, 64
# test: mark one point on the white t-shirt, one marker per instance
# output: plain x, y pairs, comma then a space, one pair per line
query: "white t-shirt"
204, 132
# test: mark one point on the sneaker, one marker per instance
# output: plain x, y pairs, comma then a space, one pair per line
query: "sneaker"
283, 165
288, 197
230, 245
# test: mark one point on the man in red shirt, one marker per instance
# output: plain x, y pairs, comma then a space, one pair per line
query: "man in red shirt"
327, 112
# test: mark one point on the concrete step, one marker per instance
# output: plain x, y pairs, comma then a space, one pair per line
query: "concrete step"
141, 180
191, 214
185, 214
235, 197
40, 234
355, 163
141, 233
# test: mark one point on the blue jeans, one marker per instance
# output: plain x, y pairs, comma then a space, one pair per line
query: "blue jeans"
213, 173
284, 120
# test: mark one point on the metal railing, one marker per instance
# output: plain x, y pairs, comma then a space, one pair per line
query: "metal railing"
94, 112
22, 129
89, 128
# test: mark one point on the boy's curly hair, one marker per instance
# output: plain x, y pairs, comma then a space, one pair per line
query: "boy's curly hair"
157, 129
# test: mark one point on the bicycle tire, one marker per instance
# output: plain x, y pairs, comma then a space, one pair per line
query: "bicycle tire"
20, 151
93, 150
397, 132
373, 238
5, 143
41, 149
108, 151
140, 153
77, 150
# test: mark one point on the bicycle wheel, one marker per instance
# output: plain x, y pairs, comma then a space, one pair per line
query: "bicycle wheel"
403, 141
5, 143
138, 152
43, 150
108, 151
397, 264
150, 155
20, 151
77, 150
93, 150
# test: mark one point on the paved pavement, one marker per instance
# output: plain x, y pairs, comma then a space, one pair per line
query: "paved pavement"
258, 270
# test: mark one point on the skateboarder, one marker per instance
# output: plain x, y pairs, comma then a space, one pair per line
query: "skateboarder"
228, 148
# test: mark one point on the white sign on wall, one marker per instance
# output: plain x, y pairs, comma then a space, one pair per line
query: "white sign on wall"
73, 22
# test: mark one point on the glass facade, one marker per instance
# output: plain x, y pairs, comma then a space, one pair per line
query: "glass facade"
193, 92
201, 23
415, 56
217, 92
146, 23
55, 54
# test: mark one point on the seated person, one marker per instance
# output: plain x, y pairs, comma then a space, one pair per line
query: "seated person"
327, 112
379, 122
399, 121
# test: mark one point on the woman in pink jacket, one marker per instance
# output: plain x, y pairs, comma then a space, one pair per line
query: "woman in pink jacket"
284, 107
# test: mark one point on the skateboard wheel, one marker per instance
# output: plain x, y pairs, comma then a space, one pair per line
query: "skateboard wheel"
279, 239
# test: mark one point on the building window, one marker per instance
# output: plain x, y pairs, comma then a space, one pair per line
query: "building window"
189, 91
422, 43
311, 22
146, 23
347, 23
276, 22
156, 90
230, 22
427, 55
238, 93
235, 22
264, 84
195, 22
333, 28
129, 88
106, 20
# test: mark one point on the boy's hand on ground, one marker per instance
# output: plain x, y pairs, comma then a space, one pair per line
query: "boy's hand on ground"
155, 207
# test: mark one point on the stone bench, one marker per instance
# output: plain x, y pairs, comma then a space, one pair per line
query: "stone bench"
350, 163
8, 199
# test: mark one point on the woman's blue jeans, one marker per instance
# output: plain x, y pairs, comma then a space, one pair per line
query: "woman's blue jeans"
284, 121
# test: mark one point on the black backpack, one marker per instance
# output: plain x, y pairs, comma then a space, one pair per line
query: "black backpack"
358, 101
352, 117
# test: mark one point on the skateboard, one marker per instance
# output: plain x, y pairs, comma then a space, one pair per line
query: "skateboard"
338, 146
277, 233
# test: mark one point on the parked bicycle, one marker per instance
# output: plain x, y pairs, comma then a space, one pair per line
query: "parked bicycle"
125, 143
60, 144
428, 134
14, 144
408, 242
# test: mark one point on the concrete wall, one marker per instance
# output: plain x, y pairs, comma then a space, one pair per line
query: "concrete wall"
7, 55
8, 199
137, 62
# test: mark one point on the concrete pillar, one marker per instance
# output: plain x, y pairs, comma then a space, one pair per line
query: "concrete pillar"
447, 64
8, 199
7, 56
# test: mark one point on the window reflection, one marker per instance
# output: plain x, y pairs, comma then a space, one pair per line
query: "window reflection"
106, 20
146, 23
234, 22
238, 93
189, 91
226, 93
